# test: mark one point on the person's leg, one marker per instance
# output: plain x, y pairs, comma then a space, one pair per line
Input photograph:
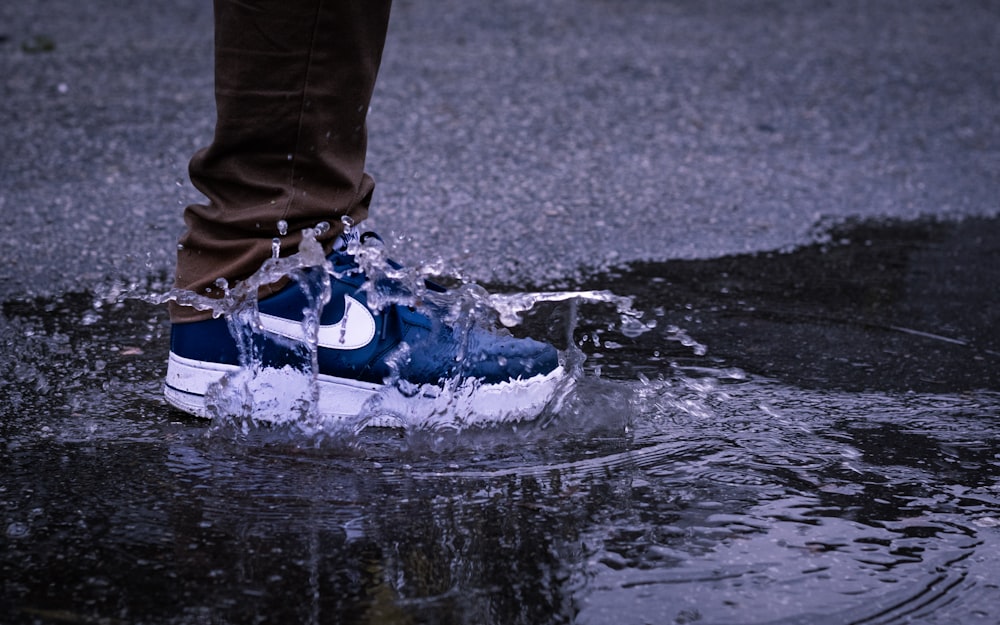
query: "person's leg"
293, 83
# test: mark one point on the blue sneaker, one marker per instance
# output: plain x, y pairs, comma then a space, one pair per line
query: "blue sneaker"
360, 351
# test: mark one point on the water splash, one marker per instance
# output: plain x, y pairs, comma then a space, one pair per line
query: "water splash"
677, 334
289, 397
242, 298
510, 307
470, 302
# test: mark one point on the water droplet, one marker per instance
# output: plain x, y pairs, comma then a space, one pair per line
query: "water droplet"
180, 246
322, 227
282, 227
17, 530
289, 156
275, 247
348, 224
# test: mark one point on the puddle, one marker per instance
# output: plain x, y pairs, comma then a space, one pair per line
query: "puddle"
890, 307
804, 437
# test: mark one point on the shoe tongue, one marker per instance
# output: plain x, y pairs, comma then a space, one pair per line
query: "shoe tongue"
344, 239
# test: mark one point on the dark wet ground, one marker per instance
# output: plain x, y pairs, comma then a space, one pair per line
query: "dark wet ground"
881, 307
832, 457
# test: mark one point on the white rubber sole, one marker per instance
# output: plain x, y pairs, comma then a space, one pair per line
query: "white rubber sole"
469, 403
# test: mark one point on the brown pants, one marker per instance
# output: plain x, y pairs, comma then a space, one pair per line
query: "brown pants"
293, 81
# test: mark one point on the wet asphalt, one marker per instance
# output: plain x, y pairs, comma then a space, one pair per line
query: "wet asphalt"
521, 142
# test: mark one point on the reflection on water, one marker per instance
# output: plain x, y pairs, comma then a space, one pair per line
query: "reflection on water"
769, 480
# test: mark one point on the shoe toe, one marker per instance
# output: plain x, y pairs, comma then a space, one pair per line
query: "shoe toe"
485, 356
496, 359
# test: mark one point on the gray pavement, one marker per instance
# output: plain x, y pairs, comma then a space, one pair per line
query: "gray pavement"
523, 142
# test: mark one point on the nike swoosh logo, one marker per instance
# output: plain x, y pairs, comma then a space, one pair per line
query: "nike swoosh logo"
354, 330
